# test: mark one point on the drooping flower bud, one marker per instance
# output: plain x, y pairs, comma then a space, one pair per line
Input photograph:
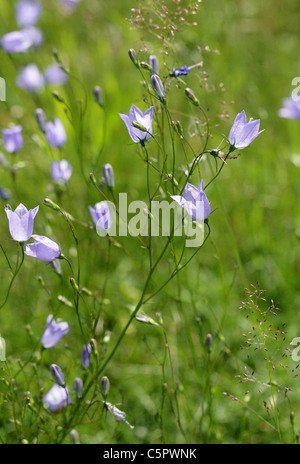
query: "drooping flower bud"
74, 435
157, 86
108, 174
57, 374
2, 349
98, 95
104, 386
147, 66
208, 342
78, 387
41, 118
153, 61
132, 56
191, 96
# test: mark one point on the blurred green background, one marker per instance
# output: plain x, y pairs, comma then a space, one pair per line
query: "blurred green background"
249, 51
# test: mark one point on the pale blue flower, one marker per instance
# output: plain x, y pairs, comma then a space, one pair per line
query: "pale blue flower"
43, 248
242, 132
30, 78
101, 215
57, 397
54, 331
55, 133
13, 139
21, 222
144, 119
194, 201
27, 12
290, 108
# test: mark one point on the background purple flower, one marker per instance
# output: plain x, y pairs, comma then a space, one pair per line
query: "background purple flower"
144, 119
242, 132
57, 397
30, 78
86, 350
15, 42
184, 70
13, 139
194, 201
43, 248
100, 215
69, 5
290, 109
34, 36
53, 333
55, 75
27, 12
55, 133
21, 222
61, 171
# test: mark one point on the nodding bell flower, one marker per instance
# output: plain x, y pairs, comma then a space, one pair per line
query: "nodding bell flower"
242, 132
143, 120
21, 222
55, 133
55, 75
15, 42
290, 108
13, 139
34, 35
54, 331
194, 201
57, 374
27, 12
56, 398
101, 215
86, 351
43, 249
61, 171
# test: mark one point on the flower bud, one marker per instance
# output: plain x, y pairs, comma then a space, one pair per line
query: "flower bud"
57, 96
98, 95
153, 61
57, 374
104, 386
78, 387
41, 118
208, 342
108, 174
93, 178
157, 86
2, 349
74, 435
132, 56
191, 96
139, 126
51, 204
147, 66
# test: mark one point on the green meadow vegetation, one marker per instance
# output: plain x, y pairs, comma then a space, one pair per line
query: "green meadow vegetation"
196, 342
